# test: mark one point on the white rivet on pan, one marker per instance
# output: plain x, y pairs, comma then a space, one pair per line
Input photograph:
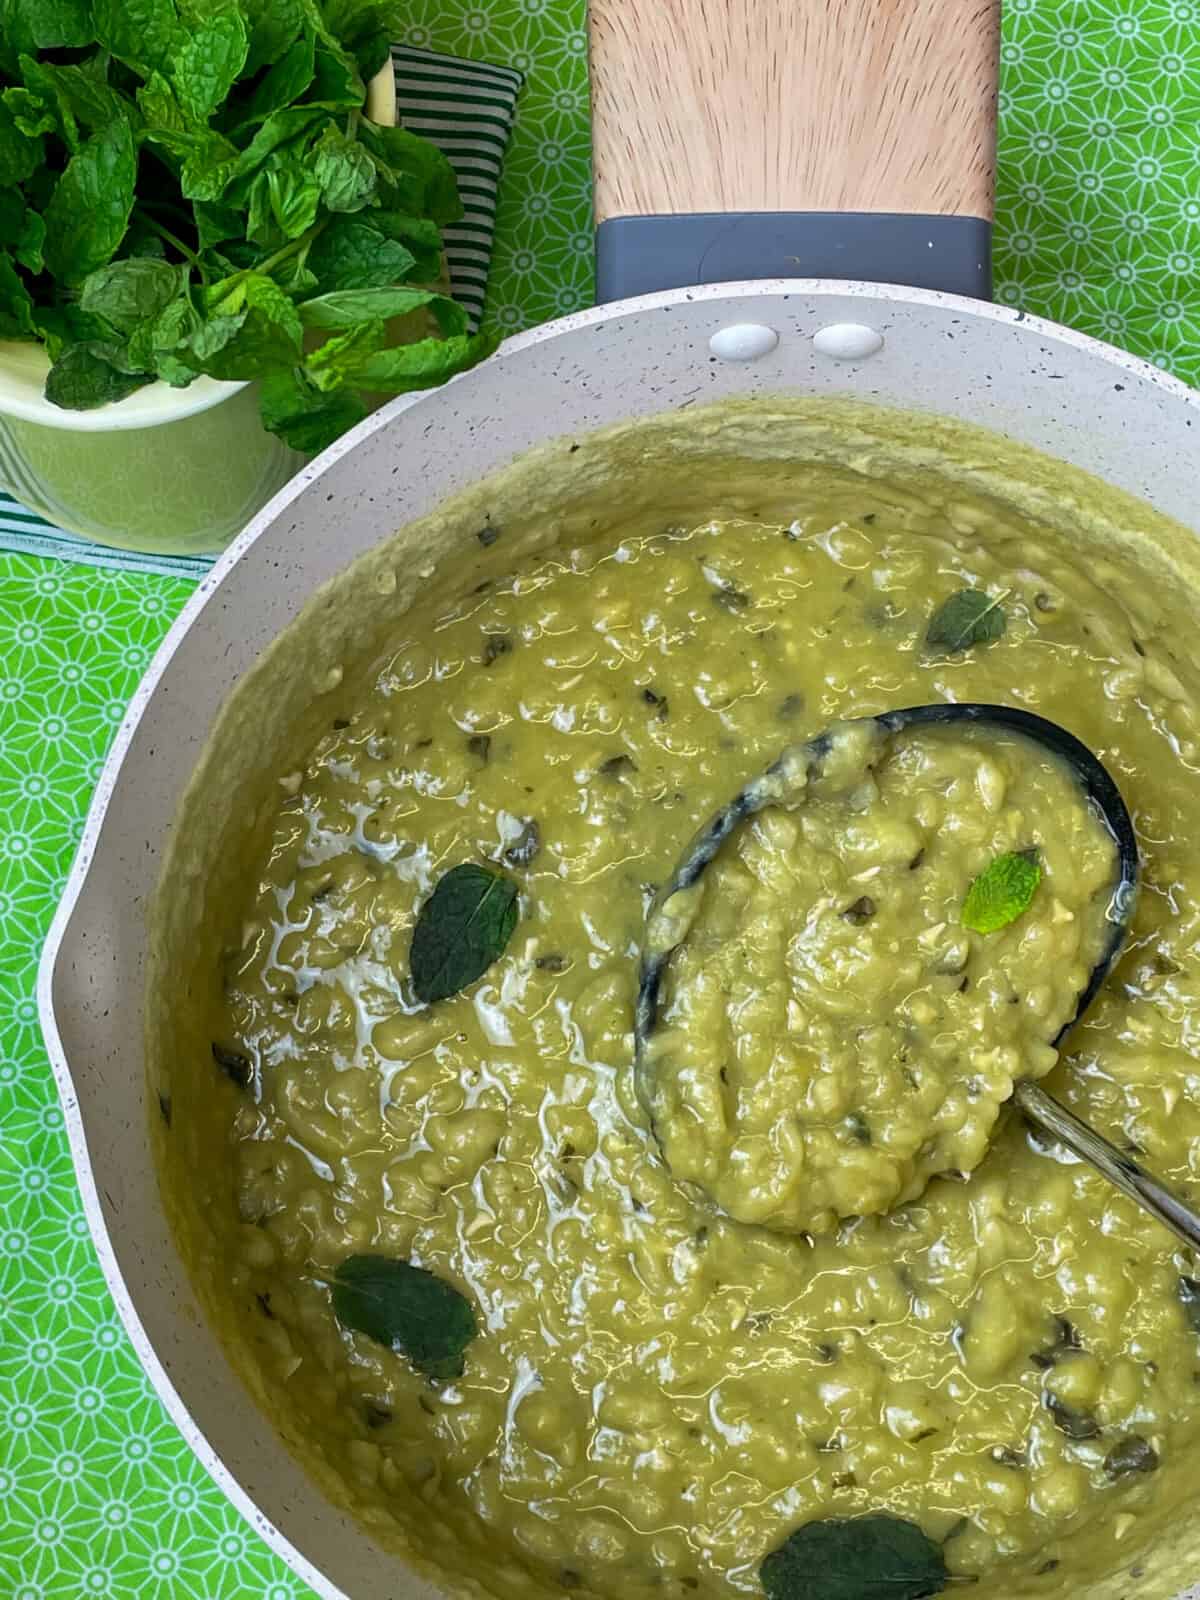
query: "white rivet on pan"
847, 341
743, 341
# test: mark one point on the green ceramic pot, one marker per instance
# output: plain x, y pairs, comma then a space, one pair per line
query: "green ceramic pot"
175, 471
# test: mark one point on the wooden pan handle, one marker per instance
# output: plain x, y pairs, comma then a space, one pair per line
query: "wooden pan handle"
794, 105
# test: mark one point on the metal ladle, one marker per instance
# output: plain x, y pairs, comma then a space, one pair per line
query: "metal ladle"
804, 763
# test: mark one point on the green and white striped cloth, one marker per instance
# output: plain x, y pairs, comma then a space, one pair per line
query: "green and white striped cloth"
464, 107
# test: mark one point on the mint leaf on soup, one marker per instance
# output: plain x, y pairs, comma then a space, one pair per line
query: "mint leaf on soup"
406, 1308
1002, 892
967, 618
89, 209
462, 928
1189, 1298
877, 1557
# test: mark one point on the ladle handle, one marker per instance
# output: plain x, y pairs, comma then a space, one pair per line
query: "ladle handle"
761, 138
1142, 1186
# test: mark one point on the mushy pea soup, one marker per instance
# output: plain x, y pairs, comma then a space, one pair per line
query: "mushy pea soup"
861, 1332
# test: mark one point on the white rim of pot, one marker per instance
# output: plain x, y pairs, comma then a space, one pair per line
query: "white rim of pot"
1121, 361
24, 365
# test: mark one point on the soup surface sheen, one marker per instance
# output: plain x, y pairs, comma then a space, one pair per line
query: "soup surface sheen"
658, 1394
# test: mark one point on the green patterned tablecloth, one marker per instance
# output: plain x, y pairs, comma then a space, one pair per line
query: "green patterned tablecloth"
1099, 226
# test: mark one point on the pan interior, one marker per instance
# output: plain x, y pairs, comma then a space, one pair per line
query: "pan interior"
657, 1396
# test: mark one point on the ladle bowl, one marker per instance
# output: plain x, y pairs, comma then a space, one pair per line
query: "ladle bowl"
797, 766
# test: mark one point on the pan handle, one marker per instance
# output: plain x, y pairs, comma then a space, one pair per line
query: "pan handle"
793, 138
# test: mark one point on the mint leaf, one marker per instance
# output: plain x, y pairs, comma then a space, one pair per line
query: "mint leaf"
36, 114
281, 128
90, 375
274, 26
877, 1557
344, 171
126, 293
343, 308
216, 223
1002, 892
89, 209
283, 202
285, 82
295, 197
419, 174
405, 367
64, 325
968, 617
420, 234
330, 363
1131, 1454
185, 144
44, 25
20, 156
206, 67
16, 303
305, 417
144, 34
204, 159
406, 1308
354, 255
364, 27
1189, 1299
82, 95
462, 928
22, 231
252, 330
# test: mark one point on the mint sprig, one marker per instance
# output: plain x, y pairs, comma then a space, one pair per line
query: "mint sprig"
194, 190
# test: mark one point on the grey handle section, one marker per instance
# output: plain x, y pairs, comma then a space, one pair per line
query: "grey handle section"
640, 255
1148, 1191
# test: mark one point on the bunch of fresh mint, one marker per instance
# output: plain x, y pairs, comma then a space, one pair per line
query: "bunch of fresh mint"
191, 186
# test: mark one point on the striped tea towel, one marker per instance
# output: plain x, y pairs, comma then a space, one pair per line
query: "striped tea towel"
464, 107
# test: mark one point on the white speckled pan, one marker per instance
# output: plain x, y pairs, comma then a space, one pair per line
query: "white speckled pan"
1040, 385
